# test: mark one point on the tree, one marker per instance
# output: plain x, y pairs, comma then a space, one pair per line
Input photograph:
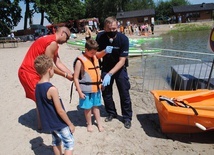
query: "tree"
164, 9
139, 5
105, 8
10, 15
64, 10
40, 6
28, 12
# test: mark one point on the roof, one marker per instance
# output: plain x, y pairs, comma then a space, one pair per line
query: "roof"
37, 26
136, 13
194, 8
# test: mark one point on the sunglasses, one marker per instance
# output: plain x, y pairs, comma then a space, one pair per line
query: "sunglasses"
67, 36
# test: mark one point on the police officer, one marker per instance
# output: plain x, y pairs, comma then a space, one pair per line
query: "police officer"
113, 67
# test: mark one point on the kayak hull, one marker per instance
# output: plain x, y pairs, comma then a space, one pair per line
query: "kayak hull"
175, 119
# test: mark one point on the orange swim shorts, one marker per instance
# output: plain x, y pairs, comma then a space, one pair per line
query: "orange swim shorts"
28, 81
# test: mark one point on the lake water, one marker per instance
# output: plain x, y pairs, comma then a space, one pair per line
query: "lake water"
196, 41
155, 69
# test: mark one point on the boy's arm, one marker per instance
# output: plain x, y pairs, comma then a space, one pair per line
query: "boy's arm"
53, 93
77, 72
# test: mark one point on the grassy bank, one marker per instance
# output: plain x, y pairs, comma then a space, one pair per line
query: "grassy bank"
190, 27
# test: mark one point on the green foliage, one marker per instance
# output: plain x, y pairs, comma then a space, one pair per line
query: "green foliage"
179, 2
10, 15
190, 27
139, 5
165, 8
63, 10
104, 8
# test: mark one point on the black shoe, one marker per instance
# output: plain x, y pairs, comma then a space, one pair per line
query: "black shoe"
109, 118
127, 124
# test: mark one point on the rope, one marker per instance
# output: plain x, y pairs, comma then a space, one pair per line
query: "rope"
71, 91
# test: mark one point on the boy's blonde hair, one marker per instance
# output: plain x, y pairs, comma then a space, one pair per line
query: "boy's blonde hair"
42, 63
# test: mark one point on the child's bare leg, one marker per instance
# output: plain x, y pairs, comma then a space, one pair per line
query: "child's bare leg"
68, 152
57, 150
96, 112
88, 120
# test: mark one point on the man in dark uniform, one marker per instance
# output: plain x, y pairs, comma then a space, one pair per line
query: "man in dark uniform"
113, 67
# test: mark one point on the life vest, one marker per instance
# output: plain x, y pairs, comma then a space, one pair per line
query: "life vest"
90, 78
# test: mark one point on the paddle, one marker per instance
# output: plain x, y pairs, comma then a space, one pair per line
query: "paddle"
210, 108
71, 91
182, 104
185, 105
175, 103
184, 97
170, 101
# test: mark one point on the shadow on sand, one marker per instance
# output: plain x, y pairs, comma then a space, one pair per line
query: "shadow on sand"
77, 117
150, 124
29, 119
39, 147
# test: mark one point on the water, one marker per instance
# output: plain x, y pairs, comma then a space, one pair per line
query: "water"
195, 41
160, 67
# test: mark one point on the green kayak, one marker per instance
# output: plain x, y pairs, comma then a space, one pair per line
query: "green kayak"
139, 52
141, 40
133, 50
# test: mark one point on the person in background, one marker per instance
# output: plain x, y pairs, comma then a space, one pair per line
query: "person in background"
113, 67
53, 116
152, 28
47, 45
12, 36
121, 29
88, 33
87, 80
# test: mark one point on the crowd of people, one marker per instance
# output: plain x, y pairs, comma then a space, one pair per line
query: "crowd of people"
138, 30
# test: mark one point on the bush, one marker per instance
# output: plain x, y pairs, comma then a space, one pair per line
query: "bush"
190, 27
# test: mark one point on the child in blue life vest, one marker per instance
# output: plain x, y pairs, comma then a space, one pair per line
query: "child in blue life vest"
50, 107
87, 79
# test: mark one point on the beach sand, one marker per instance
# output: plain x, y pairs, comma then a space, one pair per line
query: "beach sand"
18, 118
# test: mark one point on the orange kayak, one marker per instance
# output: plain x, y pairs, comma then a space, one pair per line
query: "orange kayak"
185, 111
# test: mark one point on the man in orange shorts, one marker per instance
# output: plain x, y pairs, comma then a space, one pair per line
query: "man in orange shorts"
47, 45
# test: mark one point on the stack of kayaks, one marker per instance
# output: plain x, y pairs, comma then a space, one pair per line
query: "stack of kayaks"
139, 52
142, 40
138, 42
77, 42
134, 45
185, 111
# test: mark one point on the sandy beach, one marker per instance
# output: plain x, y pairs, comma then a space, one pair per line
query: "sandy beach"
18, 118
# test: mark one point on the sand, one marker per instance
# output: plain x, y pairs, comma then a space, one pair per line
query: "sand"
18, 118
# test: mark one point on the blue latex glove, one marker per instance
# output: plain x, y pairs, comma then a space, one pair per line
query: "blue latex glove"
109, 49
106, 80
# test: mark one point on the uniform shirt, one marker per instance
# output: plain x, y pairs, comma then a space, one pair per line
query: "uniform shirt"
49, 118
121, 49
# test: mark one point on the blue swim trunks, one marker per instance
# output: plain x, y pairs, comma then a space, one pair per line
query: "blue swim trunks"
91, 100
